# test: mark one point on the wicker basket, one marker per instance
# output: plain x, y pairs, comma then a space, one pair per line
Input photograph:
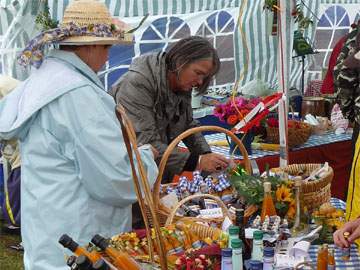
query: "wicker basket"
316, 192
163, 212
296, 136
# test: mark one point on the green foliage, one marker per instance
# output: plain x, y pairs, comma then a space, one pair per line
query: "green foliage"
251, 187
44, 22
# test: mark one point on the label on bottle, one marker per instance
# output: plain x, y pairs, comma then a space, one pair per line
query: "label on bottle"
211, 213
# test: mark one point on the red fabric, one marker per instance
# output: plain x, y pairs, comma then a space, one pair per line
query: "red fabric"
328, 82
337, 154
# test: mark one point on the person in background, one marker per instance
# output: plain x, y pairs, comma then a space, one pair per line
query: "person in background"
76, 173
11, 166
353, 227
156, 93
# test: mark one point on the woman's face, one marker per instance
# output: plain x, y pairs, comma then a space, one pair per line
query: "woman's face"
194, 74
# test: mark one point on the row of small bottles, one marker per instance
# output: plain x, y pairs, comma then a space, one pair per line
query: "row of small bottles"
93, 260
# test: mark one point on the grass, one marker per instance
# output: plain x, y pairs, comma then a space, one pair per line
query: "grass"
9, 258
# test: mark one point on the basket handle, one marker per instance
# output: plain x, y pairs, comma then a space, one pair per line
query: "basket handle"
224, 209
132, 148
185, 134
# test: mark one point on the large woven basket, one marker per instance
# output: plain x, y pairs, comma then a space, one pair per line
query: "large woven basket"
164, 212
296, 136
315, 192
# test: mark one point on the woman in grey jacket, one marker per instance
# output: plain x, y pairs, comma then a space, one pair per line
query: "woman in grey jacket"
156, 93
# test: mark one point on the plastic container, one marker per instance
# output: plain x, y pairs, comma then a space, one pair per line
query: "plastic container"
257, 249
226, 259
255, 265
237, 254
268, 259
233, 233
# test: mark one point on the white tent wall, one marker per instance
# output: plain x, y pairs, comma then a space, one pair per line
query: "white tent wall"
171, 20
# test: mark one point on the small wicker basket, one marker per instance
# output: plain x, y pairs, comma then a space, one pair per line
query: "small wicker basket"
296, 136
315, 192
162, 211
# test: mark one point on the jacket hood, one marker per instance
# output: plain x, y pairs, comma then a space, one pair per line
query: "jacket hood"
17, 109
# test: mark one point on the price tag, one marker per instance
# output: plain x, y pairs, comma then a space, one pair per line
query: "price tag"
211, 213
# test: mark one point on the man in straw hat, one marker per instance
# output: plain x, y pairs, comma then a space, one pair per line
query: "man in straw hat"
76, 175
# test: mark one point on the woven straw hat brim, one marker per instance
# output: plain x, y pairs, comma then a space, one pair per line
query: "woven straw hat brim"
92, 40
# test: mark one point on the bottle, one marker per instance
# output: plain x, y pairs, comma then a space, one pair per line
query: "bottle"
331, 260
268, 208
239, 221
101, 265
71, 262
346, 250
237, 256
268, 259
255, 265
83, 263
300, 224
121, 259
226, 259
233, 233
322, 258
69, 243
257, 249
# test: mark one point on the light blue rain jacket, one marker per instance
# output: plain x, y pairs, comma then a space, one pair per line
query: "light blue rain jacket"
76, 175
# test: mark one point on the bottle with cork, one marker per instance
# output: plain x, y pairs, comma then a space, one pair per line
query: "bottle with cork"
300, 222
345, 252
268, 207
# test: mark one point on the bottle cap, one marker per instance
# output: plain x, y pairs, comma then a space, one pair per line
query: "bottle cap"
255, 265
269, 252
258, 235
234, 230
83, 262
226, 252
68, 242
100, 241
346, 234
236, 243
267, 186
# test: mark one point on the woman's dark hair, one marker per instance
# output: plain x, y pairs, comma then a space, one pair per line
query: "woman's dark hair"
189, 50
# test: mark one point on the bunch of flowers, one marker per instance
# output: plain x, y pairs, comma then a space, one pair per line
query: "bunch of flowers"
196, 262
284, 201
235, 109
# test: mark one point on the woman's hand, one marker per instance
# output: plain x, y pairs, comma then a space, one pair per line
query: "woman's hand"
353, 227
213, 162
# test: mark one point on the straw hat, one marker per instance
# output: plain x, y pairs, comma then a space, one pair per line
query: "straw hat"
90, 12
7, 84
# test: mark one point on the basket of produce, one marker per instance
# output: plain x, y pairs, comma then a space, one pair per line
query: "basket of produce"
298, 132
316, 185
163, 211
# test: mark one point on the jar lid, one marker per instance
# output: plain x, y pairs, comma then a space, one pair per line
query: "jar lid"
236, 243
234, 229
258, 235
255, 265
226, 252
269, 252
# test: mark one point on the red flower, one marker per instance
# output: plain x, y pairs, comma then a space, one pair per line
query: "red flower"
232, 120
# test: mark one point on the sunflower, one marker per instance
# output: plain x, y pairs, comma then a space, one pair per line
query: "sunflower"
283, 194
292, 210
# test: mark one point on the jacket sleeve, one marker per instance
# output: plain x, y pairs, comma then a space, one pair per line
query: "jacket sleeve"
134, 94
346, 79
101, 157
196, 142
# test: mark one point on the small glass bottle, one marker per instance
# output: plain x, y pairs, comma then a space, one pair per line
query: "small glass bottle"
331, 260
226, 259
239, 221
268, 208
233, 233
237, 256
69, 243
257, 249
268, 259
346, 250
255, 265
121, 259
299, 223
322, 259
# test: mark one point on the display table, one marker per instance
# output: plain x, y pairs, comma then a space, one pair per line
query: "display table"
332, 148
